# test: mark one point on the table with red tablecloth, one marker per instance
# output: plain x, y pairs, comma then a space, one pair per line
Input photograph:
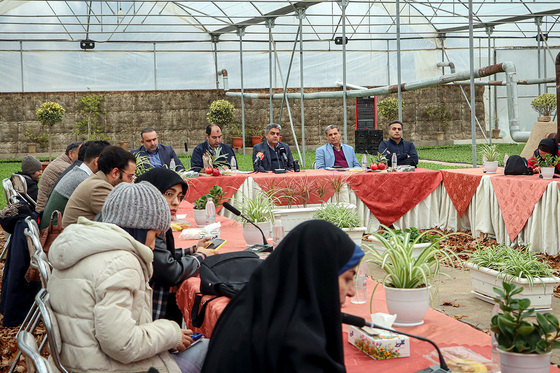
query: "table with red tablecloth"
518, 210
444, 330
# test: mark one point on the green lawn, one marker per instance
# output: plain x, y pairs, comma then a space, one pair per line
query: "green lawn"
447, 153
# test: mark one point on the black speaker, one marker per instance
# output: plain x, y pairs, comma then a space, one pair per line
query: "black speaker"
367, 140
365, 113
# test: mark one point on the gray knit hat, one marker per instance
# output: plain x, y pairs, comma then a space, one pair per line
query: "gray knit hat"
139, 206
30, 164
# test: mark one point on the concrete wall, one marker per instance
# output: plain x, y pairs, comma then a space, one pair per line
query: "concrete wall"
180, 116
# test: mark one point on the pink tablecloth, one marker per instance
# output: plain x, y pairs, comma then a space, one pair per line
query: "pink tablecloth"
461, 185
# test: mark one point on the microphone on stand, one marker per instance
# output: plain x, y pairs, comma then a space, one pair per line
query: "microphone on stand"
258, 248
258, 157
283, 152
360, 322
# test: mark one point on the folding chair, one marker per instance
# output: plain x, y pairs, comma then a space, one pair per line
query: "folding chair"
20, 186
33, 359
11, 197
51, 325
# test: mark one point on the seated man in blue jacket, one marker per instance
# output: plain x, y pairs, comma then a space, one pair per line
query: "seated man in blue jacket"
405, 150
213, 142
335, 153
272, 154
158, 155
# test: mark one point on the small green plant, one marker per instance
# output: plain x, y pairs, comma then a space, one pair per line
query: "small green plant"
305, 188
490, 151
34, 134
547, 160
216, 160
235, 130
48, 114
411, 234
544, 104
220, 113
512, 330
403, 270
258, 208
216, 193
91, 109
338, 214
440, 115
142, 164
511, 262
389, 108
380, 158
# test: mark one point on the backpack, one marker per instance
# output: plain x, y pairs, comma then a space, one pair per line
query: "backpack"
517, 165
223, 275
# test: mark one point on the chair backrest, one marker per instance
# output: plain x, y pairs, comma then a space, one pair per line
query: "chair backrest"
314, 165
9, 191
33, 226
33, 359
51, 326
20, 186
45, 270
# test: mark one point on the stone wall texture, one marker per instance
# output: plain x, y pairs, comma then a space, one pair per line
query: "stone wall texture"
180, 116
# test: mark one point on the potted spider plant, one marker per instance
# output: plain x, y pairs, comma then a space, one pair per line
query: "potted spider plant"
490, 156
490, 265
343, 216
407, 279
547, 163
258, 208
523, 346
409, 234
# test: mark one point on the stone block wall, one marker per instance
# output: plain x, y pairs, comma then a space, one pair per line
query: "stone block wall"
180, 116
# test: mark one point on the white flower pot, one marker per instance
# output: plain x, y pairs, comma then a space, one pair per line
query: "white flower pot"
200, 217
491, 167
380, 248
297, 214
485, 279
410, 305
355, 234
547, 172
512, 362
253, 236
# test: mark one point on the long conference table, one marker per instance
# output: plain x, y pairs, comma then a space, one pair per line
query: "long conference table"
442, 329
518, 210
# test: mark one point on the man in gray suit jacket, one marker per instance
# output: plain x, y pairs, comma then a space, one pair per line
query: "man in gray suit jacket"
335, 153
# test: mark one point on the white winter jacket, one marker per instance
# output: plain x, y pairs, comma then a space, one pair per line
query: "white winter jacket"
100, 295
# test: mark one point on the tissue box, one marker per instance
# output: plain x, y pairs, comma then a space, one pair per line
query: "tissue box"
379, 344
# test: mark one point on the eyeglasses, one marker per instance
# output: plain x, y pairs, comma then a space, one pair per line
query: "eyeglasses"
170, 196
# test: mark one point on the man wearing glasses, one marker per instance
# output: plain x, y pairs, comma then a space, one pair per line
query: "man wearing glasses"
115, 165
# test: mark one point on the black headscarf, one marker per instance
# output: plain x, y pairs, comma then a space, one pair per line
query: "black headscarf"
163, 179
287, 318
549, 146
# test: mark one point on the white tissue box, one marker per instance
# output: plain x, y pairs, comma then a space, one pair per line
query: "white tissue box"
379, 344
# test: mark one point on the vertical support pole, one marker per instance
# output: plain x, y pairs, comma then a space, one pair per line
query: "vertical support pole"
301, 16
241, 32
557, 70
215, 39
489, 30
388, 64
473, 96
269, 26
344, 4
442, 37
399, 81
155, 68
538, 22
21, 65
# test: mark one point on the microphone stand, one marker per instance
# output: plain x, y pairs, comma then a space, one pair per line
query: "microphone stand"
257, 248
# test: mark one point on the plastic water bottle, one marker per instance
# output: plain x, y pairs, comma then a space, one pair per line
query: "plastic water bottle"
361, 285
233, 165
277, 231
210, 211
172, 164
364, 162
394, 162
506, 157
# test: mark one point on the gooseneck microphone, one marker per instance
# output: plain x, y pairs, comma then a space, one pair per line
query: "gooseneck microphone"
360, 322
283, 152
265, 247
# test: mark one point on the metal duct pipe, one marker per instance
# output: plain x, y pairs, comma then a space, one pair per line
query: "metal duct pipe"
450, 64
224, 75
348, 85
503, 83
513, 104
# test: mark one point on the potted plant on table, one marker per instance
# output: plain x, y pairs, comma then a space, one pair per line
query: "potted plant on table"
490, 156
258, 208
547, 163
343, 216
199, 205
441, 116
544, 105
490, 265
48, 114
421, 241
407, 278
522, 345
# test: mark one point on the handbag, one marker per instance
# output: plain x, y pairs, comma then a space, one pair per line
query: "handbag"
46, 238
223, 275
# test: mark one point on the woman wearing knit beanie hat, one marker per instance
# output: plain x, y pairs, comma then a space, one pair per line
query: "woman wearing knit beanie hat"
31, 170
106, 324
171, 266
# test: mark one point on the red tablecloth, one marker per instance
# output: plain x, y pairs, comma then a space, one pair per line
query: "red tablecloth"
461, 186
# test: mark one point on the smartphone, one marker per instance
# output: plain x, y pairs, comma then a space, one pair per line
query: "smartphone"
216, 244
196, 337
